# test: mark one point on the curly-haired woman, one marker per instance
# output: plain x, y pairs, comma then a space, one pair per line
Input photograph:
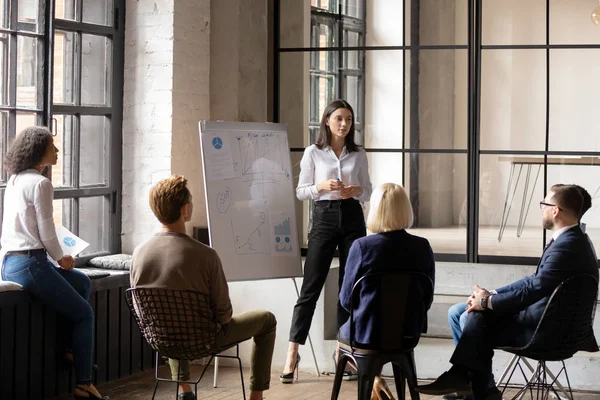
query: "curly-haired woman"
29, 237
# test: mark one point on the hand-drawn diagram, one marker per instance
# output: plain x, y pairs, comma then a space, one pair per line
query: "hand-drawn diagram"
263, 158
224, 200
283, 234
251, 235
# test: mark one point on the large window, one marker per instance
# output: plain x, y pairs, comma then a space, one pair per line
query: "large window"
66, 73
475, 107
336, 74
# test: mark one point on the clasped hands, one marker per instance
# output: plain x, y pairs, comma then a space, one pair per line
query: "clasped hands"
346, 191
67, 263
474, 301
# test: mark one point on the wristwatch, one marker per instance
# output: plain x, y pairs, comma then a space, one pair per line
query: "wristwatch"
484, 302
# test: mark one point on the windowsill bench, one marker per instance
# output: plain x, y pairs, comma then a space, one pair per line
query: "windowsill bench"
32, 348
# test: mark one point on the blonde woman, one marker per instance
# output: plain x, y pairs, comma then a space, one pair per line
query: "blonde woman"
389, 248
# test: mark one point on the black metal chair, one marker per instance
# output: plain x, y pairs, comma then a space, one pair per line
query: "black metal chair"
566, 327
178, 324
404, 300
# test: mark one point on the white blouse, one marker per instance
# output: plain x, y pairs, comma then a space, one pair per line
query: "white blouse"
318, 165
28, 221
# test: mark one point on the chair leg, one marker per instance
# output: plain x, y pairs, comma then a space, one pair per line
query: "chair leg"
242, 377
400, 381
368, 368
339, 374
155, 376
407, 370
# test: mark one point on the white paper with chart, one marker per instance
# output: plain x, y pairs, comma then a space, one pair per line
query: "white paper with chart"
250, 199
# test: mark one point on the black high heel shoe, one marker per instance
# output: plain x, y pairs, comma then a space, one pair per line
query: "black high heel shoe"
289, 378
90, 395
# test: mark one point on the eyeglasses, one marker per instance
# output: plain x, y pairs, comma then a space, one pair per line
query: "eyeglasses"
544, 204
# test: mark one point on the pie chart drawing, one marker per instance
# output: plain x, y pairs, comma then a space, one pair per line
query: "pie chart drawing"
69, 242
217, 142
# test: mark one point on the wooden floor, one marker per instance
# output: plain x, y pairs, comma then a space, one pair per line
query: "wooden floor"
309, 386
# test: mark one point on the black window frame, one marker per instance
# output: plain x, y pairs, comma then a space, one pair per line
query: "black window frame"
114, 29
411, 48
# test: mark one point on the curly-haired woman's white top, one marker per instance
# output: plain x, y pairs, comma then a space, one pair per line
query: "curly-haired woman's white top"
28, 221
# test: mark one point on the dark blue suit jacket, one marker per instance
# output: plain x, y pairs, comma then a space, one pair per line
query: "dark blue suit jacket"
569, 255
396, 250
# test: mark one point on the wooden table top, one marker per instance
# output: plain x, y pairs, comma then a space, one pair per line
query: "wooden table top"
551, 160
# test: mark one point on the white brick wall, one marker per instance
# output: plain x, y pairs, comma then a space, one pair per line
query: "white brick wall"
191, 97
147, 112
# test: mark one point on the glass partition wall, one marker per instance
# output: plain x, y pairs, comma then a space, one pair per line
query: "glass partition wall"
475, 107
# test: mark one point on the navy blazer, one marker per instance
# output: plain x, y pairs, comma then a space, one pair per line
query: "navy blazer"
569, 255
396, 250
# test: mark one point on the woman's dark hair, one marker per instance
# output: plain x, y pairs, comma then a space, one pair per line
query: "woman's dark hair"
28, 149
324, 138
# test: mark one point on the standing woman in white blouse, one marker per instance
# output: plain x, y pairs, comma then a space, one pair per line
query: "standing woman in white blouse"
29, 237
334, 173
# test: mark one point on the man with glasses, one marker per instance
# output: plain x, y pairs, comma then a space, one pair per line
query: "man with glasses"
509, 315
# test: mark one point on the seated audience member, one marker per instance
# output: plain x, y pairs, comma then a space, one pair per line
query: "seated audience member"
173, 260
390, 248
457, 319
508, 316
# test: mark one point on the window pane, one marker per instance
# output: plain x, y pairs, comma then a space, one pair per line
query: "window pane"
94, 142
383, 99
514, 22
353, 8
586, 176
96, 63
93, 223
28, 15
513, 99
441, 101
509, 216
441, 22
64, 67
63, 213
27, 71
66, 9
574, 101
4, 55
3, 138
571, 22
323, 32
25, 120
352, 94
62, 173
98, 12
384, 22
4, 13
439, 190
353, 59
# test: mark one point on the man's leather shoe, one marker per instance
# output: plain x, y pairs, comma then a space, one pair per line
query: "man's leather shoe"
457, 396
447, 382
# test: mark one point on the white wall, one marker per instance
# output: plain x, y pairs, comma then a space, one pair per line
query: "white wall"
147, 113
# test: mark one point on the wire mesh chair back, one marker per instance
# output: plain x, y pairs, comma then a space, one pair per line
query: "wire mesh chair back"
567, 322
178, 324
401, 303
